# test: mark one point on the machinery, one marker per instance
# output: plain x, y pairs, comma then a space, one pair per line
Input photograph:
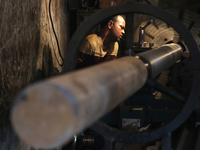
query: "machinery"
126, 85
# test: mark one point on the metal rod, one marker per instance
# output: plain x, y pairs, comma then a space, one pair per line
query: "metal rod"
150, 82
50, 113
161, 58
129, 33
108, 144
142, 33
166, 142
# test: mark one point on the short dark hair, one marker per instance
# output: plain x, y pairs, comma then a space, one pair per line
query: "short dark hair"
114, 19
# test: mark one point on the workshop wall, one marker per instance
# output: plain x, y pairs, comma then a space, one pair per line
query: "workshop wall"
28, 52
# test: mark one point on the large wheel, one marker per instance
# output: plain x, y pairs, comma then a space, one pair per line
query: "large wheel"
133, 7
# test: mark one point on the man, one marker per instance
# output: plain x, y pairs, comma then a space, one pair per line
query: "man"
101, 47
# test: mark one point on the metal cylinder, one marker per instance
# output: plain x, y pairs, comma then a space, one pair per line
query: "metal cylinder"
161, 58
49, 113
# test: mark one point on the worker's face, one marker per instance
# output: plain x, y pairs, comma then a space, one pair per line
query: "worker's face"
117, 29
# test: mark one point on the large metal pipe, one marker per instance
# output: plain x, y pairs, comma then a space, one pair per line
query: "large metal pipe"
161, 58
48, 114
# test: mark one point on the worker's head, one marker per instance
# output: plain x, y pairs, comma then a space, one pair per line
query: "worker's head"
116, 27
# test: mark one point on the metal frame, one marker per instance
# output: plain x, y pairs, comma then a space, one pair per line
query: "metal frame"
134, 7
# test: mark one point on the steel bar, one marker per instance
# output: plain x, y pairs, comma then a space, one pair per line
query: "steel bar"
129, 33
166, 142
108, 144
49, 113
150, 82
161, 58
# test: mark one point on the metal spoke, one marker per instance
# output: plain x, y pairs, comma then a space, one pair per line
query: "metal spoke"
151, 83
129, 33
166, 142
108, 144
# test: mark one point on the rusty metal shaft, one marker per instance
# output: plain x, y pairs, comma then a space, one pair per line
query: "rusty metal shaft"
161, 58
48, 114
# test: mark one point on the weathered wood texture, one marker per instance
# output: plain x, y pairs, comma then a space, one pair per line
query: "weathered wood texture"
25, 35
28, 52
19, 42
